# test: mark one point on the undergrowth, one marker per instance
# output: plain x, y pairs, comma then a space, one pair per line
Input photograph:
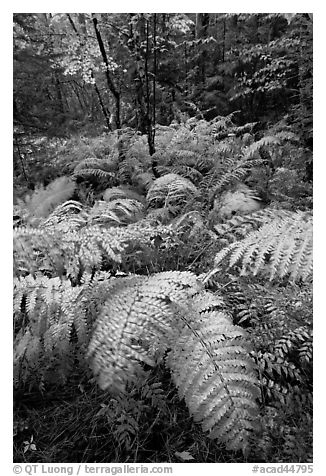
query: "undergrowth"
196, 323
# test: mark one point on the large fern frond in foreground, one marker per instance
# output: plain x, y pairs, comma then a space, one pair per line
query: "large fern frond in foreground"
209, 358
279, 248
212, 369
134, 323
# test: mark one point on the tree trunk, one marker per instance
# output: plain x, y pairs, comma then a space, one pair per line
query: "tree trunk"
109, 80
202, 23
81, 19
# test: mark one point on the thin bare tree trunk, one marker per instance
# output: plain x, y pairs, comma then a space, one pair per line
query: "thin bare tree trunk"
109, 80
105, 111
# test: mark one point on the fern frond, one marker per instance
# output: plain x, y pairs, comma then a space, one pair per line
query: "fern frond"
94, 163
240, 225
184, 171
116, 212
293, 341
136, 318
26, 346
52, 308
98, 173
254, 148
71, 213
44, 200
60, 251
281, 247
102, 169
120, 193
212, 369
171, 189
209, 360
234, 170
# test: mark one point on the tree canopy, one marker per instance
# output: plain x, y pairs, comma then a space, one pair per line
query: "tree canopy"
136, 70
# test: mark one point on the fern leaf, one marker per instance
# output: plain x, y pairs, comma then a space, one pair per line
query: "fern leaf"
118, 193
302, 266
91, 163
263, 142
70, 213
135, 318
282, 247
101, 174
27, 351
69, 252
44, 200
237, 254
118, 211
214, 374
170, 189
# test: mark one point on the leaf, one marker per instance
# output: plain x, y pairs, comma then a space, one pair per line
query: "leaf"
184, 455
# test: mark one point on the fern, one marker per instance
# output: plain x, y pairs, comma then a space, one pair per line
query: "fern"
53, 322
294, 341
186, 163
69, 250
237, 158
94, 162
44, 200
116, 212
171, 190
116, 193
209, 359
240, 225
253, 149
94, 167
234, 170
214, 374
190, 173
281, 247
134, 322
51, 307
71, 214
97, 173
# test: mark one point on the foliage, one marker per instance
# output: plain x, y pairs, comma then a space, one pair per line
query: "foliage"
43, 345
213, 372
279, 248
240, 200
69, 248
170, 190
93, 167
44, 200
136, 325
163, 237
200, 61
279, 320
122, 193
